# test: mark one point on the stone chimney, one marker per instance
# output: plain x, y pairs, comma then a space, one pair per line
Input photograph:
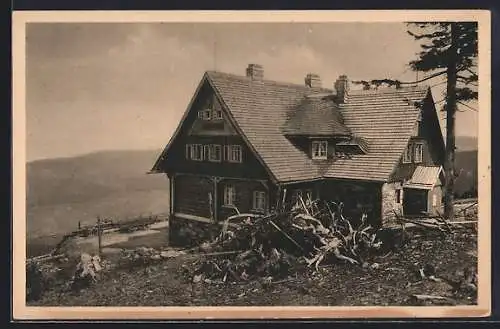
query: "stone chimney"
255, 72
342, 88
313, 80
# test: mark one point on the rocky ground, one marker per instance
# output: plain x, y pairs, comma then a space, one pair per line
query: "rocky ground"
392, 279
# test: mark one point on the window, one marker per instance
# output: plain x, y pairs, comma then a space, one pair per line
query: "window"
319, 149
259, 200
399, 194
196, 152
214, 153
418, 152
229, 195
205, 114
234, 153
407, 154
217, 115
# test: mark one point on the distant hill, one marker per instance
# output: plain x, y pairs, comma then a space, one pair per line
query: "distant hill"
466, 143
63, 191
466, 167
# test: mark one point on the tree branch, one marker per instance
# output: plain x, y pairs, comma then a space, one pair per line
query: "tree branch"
426, 78
397, 83
470, 107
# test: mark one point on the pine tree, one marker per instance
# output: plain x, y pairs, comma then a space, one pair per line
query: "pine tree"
451, 49
447, 49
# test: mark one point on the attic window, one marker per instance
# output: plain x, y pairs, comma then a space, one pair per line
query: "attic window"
217, 115
205, 114
319, 149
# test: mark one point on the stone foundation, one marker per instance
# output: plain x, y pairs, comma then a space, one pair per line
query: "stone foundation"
190, 233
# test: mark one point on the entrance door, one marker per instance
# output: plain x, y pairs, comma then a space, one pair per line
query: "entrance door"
414, 202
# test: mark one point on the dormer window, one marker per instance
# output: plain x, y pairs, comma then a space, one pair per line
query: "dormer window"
407, 154
418, 152
319, 149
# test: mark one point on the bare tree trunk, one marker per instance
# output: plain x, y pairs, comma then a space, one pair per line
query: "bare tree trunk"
451, 105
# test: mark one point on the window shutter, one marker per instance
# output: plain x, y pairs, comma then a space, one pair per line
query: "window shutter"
188, 151
226, 152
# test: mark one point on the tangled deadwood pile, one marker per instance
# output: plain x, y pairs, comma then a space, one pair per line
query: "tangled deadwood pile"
276, 245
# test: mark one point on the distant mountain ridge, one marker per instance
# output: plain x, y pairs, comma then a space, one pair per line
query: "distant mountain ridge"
466, 143
63, 191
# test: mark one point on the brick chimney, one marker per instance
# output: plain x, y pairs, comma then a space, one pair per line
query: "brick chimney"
312, 80
342, 88
255, 72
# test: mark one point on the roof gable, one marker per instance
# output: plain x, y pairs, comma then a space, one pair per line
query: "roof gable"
231, 126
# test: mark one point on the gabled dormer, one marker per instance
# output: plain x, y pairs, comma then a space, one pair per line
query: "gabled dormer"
316, 125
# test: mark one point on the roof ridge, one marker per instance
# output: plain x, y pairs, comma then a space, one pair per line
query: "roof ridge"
269, 81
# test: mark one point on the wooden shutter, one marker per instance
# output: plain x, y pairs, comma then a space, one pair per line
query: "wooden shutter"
188, 151
226, 153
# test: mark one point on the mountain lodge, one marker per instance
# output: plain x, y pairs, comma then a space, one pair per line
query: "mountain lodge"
246, 143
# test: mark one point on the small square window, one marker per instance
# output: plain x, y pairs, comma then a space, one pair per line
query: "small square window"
319, 149
217, 115
205, 114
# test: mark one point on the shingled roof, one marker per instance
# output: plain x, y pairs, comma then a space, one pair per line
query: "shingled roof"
266, 111
383, 118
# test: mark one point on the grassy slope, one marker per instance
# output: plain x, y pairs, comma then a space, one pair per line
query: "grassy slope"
61, 192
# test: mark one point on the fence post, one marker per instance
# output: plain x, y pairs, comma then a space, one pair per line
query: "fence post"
99, 234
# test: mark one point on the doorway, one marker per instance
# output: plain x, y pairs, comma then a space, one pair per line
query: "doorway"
414, 202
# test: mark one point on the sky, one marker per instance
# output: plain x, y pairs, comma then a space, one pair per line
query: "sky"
113, 86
